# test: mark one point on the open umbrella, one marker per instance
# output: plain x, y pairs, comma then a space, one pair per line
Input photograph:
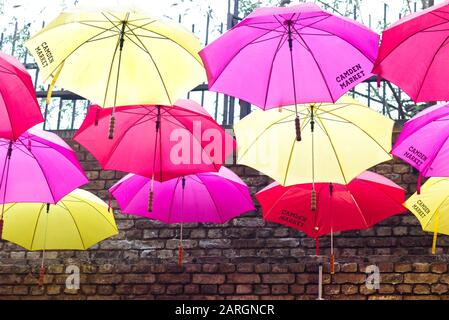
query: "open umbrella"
413, 54
214, 197
339, 141
159, 142
19, 109
76, 222
284, 56
366, 200
118, 58
423, 143
37, 167
431, 207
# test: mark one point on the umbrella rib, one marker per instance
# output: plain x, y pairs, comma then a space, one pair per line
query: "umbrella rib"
154, 63
35, 226
405, 40
279, 46
108, 81
215, 204
333, 148
170, 39
90, 205
102, 38
358, 208
76, 225
80, 47
96, 27
352, 123
198, 140
430, 65
238, 52
317, 64
263, 131
343, 39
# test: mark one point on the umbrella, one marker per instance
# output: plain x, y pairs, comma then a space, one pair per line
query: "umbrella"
431, 207
37, 167
76, 222
19, 109
284, 56
413, 54
339, 142
214, 197
159, 142
360, 204
118, 58
423, 143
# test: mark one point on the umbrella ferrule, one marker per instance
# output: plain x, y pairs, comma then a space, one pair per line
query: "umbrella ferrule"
290, 38
9, 150
183, 182
298, 129
312, 118
331, 189
158, 119
122, 35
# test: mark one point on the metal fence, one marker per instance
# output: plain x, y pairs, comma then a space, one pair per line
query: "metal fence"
67, 110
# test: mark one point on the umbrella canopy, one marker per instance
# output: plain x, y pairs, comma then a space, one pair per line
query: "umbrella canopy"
19, 109
38, 167
366, 200
203, 197
162, 142
76, 222
339, 141
118, 58
413, 54
423, 142
297, 54
431, 207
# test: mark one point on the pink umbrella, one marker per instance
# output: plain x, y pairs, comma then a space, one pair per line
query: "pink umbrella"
19, 109
423, 142
37, 167
365, 201
161, 142
413, 54
204, 197
284, 56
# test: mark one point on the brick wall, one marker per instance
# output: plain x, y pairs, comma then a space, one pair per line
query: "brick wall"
245, 258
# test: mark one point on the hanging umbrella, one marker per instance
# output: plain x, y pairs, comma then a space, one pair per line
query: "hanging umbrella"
284, 56
118, 58
76, 222
19, 109
339, 142
431, 207
37, 167
159, 142
214, 197
360, 204
423, 143
413, 54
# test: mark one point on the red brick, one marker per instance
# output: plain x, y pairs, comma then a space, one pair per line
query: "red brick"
278, 278
243, 278
208, 278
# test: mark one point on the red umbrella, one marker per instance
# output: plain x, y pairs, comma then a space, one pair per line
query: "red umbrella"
19, 109
159, 142
414, 54
363, 202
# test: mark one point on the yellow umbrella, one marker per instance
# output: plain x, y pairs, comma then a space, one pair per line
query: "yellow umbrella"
118, 58
431, 207
332, 143
76, 222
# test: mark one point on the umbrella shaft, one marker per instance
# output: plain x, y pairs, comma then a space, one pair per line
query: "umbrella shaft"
122, 35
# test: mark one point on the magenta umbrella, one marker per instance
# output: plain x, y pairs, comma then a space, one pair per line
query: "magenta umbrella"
204, 197
413, 54
37, 167
284, 56
423, 142
19, 109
